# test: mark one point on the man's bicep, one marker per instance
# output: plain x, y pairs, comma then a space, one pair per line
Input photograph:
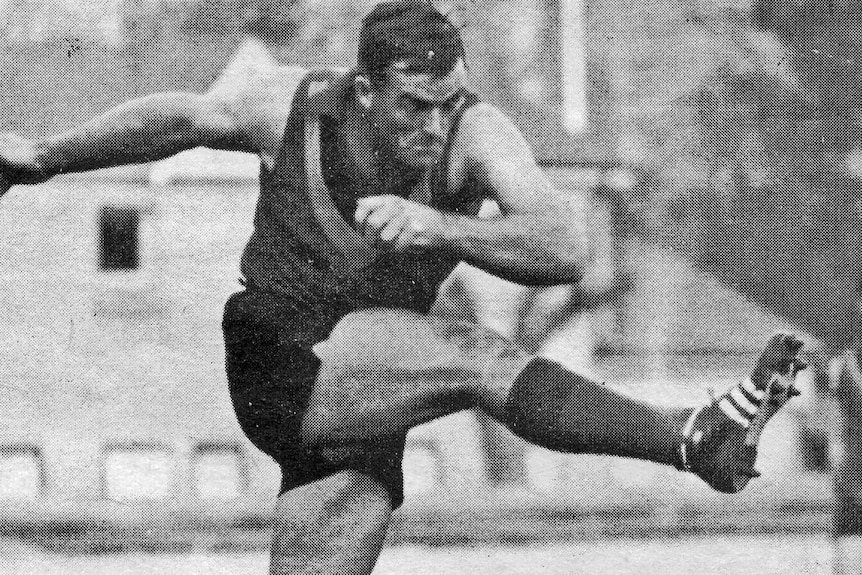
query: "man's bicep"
243, 123
256, 113
509, 172
216, 125
505, 166
519, 186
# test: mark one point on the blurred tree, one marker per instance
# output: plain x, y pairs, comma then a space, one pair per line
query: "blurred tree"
764, 191
827, 59
273, 21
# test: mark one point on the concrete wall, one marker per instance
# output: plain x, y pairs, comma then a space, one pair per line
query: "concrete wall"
100, 365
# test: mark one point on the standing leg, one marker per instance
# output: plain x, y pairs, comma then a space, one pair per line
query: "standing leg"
327, 520
336, 525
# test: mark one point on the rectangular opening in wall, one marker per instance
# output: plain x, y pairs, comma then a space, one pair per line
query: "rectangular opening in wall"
119, 238
137, 472
22, 472
219, 470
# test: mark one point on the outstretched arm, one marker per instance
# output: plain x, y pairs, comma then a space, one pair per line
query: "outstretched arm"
141, 130
154, 127
541, 236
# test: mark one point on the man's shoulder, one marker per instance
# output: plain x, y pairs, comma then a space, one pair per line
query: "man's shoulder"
485, 120
485, 132
490, 149
266, 84
261, 102
292, 76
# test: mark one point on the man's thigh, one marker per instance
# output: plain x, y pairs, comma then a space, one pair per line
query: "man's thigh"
387, 370
402, 341
272, 372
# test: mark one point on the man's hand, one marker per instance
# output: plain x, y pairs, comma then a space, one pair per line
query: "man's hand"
19, 162
396, 224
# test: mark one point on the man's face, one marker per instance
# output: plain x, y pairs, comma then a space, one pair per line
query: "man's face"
413, 112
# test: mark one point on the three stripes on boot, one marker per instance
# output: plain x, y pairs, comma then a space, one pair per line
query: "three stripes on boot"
741, 402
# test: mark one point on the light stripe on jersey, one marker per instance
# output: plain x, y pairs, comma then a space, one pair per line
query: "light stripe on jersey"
358, 253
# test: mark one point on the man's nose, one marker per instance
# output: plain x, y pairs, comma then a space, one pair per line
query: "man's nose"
434, 123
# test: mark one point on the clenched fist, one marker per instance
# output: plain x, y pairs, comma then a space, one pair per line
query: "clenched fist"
398, 224
19, 162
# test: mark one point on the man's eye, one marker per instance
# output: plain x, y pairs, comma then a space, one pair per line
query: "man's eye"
417, 106
453, 103
414, 105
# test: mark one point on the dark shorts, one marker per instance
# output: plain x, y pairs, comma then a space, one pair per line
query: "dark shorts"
272, 371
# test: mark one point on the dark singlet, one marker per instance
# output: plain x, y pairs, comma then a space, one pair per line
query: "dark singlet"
304, 246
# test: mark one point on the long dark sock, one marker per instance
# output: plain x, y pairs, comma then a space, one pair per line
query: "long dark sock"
555, 408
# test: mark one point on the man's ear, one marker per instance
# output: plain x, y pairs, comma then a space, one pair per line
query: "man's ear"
362, 88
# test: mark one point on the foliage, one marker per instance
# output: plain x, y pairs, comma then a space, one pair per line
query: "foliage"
753, 185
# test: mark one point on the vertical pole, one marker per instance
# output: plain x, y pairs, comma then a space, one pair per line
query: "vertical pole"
847, 511
573, 66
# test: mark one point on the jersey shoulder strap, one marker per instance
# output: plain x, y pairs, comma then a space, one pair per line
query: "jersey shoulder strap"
321, 96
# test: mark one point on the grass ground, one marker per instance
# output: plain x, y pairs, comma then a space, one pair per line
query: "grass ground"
722, 555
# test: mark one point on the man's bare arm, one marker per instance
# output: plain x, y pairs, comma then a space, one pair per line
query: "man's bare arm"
541, 236
142, 130
157, 126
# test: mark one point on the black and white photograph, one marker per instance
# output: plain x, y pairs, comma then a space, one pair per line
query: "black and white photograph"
417, 287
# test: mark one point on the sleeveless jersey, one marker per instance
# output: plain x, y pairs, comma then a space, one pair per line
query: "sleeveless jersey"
304, 245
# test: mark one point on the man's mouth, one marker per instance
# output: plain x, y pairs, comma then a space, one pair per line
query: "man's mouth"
431, 149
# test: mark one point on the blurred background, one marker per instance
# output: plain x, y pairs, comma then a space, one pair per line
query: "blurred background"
717, 145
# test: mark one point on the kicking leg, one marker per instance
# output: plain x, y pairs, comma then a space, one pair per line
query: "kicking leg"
553, 407
384, 371
333, 526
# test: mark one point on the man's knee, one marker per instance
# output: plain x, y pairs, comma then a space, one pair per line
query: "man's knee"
327, 503
357, 490
331, 519
340, 492
473, 340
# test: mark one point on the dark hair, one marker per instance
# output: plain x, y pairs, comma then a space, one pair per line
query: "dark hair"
409, 31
